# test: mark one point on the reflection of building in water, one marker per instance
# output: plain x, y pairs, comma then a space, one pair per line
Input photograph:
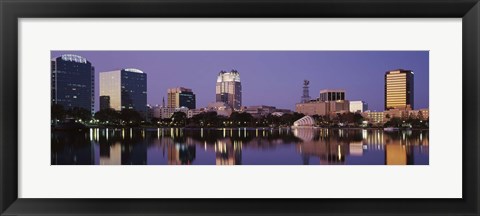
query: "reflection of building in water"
356, 148
398, 149
181, 154
72, 148
134, 154
328, 148
111, 155
228, 153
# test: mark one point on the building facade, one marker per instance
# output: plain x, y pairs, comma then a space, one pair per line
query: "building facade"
332, 95
126, 88
229, 89
375, 117
329, 102
358, 106
259, 111
399, 91
181, 97
104, 102
73, 82
322, 107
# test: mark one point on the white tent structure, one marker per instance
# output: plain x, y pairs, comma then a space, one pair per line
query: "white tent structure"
305, 121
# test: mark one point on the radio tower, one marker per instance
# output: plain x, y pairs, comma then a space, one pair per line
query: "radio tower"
306, 94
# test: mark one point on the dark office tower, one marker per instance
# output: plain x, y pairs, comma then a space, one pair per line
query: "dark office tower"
104, 102
72, 81
399, 89
126, 88
229, 89
181, 97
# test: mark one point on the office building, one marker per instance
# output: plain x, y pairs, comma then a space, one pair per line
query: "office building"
229, 89
330, 102
104, 102
181, 97
399, 92
358, 106
375, 117
126, 88
72, 82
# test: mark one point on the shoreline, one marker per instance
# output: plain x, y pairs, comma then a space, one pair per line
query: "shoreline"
243, 128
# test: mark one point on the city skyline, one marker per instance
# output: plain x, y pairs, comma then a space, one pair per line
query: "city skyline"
267, 77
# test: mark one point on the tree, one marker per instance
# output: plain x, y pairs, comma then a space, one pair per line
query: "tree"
130, 116
357, 119
79, 114
108, 115
393, 122
179, 119
241, 119
57, 112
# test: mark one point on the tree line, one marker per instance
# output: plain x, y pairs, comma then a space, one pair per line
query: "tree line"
129, 117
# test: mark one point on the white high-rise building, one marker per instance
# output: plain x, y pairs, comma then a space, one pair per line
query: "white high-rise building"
229, 89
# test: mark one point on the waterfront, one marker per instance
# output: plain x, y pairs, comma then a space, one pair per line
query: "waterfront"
240, 146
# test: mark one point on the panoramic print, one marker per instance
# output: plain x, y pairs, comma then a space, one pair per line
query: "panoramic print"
239, 107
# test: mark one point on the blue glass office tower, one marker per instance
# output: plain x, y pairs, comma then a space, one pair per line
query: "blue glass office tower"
72, 82
126, 88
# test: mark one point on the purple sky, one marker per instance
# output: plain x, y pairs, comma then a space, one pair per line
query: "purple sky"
268, 77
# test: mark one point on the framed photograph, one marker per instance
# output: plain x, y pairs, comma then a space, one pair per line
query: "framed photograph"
227, 107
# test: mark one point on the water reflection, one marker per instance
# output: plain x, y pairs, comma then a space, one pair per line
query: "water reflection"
239, 146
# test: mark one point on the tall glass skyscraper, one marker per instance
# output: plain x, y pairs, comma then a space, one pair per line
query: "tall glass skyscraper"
72, 82
126, 88
229, 89
181, 97
399, 89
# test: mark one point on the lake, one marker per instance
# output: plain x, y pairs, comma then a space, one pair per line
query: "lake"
239, 146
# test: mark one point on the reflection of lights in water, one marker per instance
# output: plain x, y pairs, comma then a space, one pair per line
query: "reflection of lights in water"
263, 132
201, 132
123, 133
245, 132
231, 132
158, 133
339, 152
205, 145
364, 134
421, 137
131, 132
97, 134
256, 132
224, 132
171, 132
91, 134
106, 133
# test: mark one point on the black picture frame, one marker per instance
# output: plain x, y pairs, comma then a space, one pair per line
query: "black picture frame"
12, 10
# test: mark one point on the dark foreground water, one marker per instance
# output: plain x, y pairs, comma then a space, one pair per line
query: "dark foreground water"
240, 146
